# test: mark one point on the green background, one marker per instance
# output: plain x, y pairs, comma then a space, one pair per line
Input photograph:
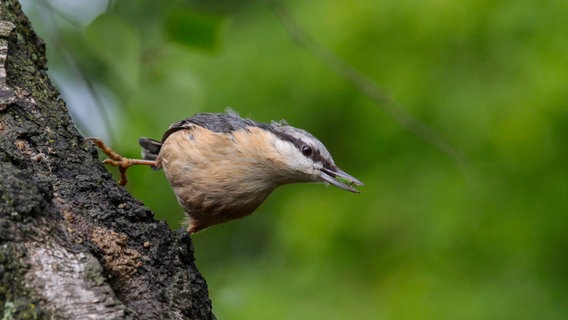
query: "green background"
428, 237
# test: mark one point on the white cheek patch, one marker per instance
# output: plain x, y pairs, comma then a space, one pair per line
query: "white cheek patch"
292, 156
284, 148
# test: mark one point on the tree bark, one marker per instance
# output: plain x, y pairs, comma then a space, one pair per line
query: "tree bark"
73, 244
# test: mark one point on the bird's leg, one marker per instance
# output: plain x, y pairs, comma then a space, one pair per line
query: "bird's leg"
116, 160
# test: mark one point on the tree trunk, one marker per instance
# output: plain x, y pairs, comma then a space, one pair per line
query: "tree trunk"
73, 244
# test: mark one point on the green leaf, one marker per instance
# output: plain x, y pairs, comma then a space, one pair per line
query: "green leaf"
196, 30
116, 45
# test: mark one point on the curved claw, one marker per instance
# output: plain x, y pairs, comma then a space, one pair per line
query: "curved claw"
116, 160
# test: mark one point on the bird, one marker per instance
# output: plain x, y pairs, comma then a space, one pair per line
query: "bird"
221, 167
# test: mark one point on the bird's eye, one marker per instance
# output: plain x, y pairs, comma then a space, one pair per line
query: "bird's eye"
306, 150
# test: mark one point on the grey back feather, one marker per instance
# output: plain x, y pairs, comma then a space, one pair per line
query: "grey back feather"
231, 121
150, 148
216, 122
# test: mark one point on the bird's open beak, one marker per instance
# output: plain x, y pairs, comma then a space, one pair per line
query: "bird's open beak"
340, 179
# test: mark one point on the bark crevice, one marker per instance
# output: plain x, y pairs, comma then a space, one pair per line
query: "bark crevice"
73, 244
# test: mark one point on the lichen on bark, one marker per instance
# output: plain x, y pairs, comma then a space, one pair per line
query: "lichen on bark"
73, 244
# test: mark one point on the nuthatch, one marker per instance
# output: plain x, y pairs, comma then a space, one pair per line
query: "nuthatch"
222, 167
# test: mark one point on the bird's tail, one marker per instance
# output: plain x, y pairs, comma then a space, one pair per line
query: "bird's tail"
150, 148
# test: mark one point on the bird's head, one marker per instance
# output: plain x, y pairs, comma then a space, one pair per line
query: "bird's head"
306, 159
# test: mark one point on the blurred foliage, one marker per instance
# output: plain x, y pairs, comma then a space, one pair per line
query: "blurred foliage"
426, 239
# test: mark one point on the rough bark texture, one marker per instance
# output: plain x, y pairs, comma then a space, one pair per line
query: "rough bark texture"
73, 244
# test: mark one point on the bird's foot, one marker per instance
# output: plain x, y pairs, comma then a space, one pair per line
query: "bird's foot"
116, 160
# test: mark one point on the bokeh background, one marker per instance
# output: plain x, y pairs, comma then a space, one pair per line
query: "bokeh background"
428, 237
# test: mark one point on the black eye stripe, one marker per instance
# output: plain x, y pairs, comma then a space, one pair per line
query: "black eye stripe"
315, 154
